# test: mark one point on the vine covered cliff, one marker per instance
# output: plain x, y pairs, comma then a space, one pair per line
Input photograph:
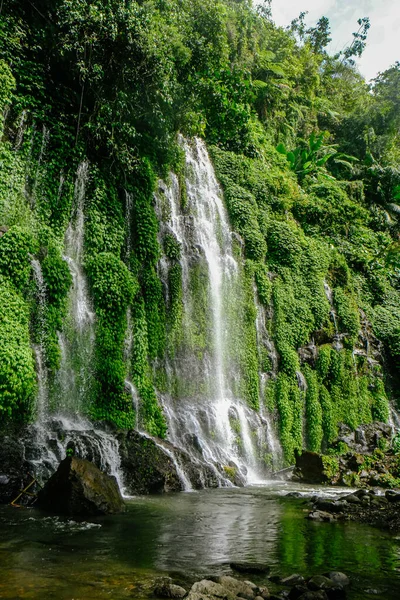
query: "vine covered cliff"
138, 279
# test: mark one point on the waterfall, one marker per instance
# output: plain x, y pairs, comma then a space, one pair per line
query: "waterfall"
209, 419
65, 426
39, 348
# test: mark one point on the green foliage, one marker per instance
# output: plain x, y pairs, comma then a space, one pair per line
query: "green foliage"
17, 368
380, 406
242, 210
222, 70
113, 287
348, 313
396, 443
7, 85
290, 408
16, 245
58, 280
331, 467
150, 414
314, 412
312, 157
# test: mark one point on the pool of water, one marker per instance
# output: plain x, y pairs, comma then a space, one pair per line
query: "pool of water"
188, 535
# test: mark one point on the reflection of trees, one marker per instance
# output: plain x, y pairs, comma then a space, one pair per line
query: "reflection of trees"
310, 547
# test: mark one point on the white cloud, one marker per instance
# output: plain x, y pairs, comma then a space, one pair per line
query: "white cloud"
383, 47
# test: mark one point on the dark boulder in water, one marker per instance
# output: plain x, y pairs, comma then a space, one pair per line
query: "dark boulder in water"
79, 488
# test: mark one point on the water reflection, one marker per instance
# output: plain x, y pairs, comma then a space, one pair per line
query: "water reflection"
196, 534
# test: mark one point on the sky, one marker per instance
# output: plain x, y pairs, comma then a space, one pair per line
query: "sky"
383, 45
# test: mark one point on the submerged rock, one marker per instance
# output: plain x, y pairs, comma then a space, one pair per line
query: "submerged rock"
250, 567
78, 487
294, 579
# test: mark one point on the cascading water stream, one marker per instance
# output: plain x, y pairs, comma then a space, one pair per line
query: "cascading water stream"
66, 426
77, 339
39, 349
212, 423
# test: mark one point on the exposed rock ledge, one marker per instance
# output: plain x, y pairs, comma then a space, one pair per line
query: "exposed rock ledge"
147, 465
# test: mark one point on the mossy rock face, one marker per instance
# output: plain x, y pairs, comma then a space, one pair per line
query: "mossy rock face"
147, 467
151, 465
78, 487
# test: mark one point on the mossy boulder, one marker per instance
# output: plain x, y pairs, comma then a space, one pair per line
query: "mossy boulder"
79, 488
147, 467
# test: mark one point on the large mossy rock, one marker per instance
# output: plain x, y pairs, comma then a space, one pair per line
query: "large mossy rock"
79, 488
146, 466
153, 466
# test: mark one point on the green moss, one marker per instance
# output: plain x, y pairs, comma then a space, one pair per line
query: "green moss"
290, 408
348, 314
380, 403
150, 414
331, 467
314, 411
16, 246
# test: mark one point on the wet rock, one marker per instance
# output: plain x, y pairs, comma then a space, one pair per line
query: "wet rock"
293, 495
14, 470
147, 468
336, 592
252, 585
319, 515
310, 468
297, 591
319, 582
78, 487
247, 567
151, 465
210, 589
352, 499
333, 506
338, 577
294, 579
237, 587
310, 595
366, 438
167, 589
392, 496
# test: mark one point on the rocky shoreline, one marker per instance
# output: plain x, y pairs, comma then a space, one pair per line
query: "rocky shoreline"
363, 506
330, 586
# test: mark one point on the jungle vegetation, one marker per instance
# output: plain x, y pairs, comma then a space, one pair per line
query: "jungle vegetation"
307, 153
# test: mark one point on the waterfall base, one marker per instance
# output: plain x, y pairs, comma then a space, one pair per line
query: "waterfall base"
139, 463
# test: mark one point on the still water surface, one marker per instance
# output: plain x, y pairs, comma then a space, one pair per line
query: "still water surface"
188, 535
